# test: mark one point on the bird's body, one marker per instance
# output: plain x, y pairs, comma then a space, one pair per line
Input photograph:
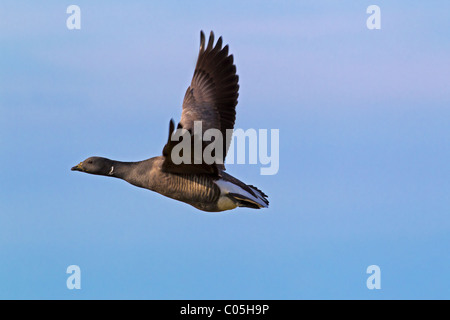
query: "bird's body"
199, 190
211, 99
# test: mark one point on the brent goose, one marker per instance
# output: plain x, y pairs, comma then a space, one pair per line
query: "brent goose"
210, 100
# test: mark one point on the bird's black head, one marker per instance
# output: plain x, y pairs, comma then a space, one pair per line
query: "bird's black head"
95, 165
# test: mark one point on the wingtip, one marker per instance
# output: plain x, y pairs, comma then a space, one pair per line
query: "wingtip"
231, 58
202, 40
225, 50
210, 44
210, 41
218, 44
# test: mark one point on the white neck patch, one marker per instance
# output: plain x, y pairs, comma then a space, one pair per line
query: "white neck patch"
111, 171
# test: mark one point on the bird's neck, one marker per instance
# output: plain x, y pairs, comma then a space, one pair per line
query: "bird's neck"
120, 169
132, 172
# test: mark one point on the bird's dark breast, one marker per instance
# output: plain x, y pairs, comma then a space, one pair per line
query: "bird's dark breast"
198, 190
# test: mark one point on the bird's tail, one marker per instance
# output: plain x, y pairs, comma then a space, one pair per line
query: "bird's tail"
255, 199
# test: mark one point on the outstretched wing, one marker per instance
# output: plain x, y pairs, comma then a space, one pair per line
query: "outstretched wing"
212, 96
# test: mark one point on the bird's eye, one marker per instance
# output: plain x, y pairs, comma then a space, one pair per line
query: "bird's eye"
90, 161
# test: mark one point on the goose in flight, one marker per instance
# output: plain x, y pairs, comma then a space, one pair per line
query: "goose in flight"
210, 101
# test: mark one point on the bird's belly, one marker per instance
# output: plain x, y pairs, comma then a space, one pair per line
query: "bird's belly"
225, 203
198, 191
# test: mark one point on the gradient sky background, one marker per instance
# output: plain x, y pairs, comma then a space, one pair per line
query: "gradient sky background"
364, 175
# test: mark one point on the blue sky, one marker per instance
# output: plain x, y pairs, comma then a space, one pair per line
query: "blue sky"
364, 151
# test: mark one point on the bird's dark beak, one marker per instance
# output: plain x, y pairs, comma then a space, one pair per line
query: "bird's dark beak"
78, 167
